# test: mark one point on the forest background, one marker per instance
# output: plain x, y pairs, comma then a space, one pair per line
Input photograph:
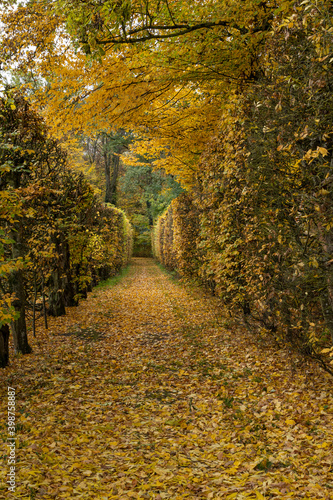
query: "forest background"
225, 107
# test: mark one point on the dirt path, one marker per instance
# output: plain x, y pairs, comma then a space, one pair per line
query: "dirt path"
145, 391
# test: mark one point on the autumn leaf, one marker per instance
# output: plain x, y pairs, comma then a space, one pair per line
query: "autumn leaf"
91, 421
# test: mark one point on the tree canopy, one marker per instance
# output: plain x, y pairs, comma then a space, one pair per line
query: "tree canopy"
162, 69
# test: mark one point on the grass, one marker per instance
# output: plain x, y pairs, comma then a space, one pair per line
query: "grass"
114, 280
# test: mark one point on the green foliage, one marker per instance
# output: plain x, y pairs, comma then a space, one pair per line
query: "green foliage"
102, 152
145, 194
156, 189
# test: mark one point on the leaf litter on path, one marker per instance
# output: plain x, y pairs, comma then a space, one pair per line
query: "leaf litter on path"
146, 391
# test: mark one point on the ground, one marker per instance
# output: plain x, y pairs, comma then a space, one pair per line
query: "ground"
147, 390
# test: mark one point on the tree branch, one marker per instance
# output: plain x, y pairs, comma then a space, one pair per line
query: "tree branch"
177, 30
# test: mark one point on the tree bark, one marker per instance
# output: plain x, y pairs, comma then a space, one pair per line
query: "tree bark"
107, 171
57, 282
4, 336
111, 160
69, 291
114, 178
17, 287
150, 218
56, 295
326, 239
18, 326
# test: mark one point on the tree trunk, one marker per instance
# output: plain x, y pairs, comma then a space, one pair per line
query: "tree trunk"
150, 218
326, 239
112, 160
56, 295
107, 171
44, 303
111, 180
17, 287
114, 179
69, 291
34, 307
57, 281
4, 336
18, 326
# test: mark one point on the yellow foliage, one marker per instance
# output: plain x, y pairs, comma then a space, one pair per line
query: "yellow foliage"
142, 389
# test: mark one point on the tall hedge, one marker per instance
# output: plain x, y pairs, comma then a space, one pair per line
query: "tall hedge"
263, 202
56, 239
174, 237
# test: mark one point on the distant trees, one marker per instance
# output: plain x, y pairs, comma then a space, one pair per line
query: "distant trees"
54, 243
144, 194
129, 181
103, 151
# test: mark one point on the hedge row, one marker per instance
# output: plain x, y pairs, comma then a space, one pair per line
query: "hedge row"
175, 236
56, 239
246, 273
257, 227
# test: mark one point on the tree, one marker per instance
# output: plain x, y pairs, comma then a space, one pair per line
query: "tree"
103, 151
263, 199
168, 27
162, 69
4, 336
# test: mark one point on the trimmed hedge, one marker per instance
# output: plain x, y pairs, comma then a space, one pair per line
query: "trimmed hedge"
261, 231
56, 239
175, 235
